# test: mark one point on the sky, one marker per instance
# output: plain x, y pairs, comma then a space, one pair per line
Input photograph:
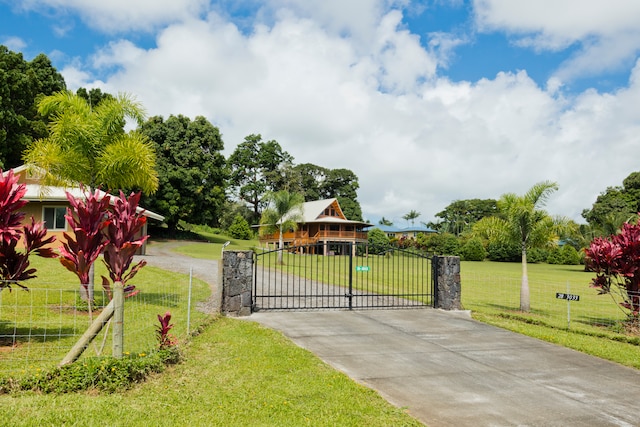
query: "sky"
426, 101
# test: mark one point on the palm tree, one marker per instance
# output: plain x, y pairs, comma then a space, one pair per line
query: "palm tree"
89, 145
524, 223
411, 216
385, 221
284, 213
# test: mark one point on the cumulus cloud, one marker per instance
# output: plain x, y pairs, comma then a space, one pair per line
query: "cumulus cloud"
14, 43
120, 15
375, 105
605, 34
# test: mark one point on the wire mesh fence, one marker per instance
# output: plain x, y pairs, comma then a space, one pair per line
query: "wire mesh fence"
38, 327
561, 300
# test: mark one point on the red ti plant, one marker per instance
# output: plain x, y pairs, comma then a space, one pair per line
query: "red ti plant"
616, 261
165, 339
124, 235
86, 218
14, 265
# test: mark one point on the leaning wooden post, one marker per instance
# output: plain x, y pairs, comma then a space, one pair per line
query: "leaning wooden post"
118, 318
89, 335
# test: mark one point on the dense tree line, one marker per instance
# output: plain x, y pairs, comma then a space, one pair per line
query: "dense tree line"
21, 84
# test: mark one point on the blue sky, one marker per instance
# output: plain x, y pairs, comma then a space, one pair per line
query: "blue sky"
426, 101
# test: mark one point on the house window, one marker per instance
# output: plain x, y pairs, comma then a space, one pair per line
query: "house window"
54, 218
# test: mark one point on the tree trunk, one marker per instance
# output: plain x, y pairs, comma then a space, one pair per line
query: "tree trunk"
524, 286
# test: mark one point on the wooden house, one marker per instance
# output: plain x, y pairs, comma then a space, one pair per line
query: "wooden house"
325, 227
49, 204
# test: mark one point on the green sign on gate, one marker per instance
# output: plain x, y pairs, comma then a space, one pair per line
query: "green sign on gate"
362, 268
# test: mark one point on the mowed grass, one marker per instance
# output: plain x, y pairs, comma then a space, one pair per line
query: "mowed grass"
236, 373
593, 325
39, 327
212, 249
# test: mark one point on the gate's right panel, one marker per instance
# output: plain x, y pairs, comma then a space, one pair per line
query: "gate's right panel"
391, 277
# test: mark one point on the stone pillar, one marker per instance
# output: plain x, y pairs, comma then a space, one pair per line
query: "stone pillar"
237, 282
447, 271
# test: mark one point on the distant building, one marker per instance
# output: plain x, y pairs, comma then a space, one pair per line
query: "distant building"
325, 226
407, 232
49, 204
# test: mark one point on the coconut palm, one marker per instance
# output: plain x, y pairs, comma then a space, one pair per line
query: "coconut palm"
524, 223
284, 213
89, 145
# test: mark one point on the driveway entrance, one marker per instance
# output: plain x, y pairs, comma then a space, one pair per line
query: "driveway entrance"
450, 370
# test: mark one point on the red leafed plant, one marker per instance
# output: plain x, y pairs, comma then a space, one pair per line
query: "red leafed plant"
616, 261
165, 339
14, 265
87, 219
124, 236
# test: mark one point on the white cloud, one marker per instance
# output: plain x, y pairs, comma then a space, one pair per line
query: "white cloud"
606, 32
415, 141
121, 15
15, 44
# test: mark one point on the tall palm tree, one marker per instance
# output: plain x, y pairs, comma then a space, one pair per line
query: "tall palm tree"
524, 223
411, 216
284, 213
89, 144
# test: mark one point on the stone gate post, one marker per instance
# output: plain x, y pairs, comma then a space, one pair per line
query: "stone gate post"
447, 271
237, 282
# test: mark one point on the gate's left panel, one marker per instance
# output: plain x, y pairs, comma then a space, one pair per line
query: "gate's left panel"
298, 278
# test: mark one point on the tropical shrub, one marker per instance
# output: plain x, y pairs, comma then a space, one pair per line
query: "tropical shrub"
240, 229
86, 219
473, 250
504, 252
14, 265
565, 255
616, 262
440, 243
537, 255
378, 241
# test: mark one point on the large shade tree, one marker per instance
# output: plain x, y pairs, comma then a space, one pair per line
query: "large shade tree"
317, 182
614, 207
191, 170
89, 145
254, 170
522, 221
21, 83
283, 213
460, 215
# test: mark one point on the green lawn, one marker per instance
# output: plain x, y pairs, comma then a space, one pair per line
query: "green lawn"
46, 321
592, 325
236, 373
213, 248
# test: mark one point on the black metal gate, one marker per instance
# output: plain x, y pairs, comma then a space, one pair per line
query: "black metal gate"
342, 275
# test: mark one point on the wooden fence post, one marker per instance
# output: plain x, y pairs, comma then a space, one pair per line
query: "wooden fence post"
88, 335
118, 319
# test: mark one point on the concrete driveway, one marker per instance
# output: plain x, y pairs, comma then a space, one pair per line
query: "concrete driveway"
450, 370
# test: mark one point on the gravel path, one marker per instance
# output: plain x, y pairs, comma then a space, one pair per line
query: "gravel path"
162, 255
